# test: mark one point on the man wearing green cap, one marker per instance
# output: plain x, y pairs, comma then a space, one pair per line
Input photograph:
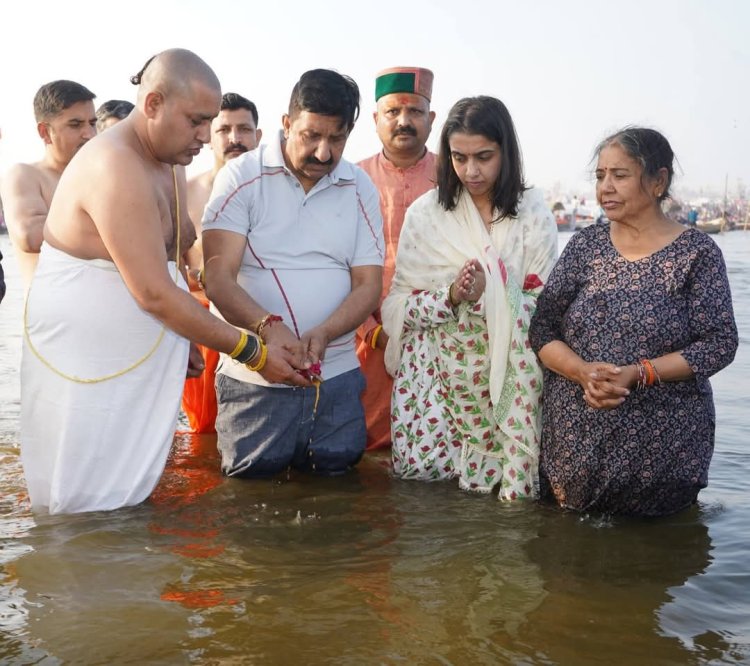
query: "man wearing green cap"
402, 172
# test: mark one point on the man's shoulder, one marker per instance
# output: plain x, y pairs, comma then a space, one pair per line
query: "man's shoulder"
369, 164
429, 159
378, 162
201, 180
198, 192
24, 178
361, 177
247, 166
104, 155
349, 172
24, 170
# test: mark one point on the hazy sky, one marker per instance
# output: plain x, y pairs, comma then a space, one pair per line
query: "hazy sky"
569, 71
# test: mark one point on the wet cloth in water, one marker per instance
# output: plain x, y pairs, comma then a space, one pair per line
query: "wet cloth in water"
102, 445
265, 430
199, 394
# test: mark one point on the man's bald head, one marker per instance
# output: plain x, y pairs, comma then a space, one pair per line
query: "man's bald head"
174, 72
178, 96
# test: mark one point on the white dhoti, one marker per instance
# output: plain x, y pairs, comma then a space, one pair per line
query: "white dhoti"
102, 445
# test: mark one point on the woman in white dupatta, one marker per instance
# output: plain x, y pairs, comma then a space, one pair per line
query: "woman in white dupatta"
472, 258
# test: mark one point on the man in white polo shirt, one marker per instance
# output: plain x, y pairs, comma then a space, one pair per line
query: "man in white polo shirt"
293, 249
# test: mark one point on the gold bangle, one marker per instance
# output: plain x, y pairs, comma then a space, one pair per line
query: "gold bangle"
240, 345
267, 320
202, 277
259, 326
374, 336
261, 361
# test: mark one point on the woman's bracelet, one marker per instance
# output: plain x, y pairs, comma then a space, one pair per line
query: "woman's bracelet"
647, 374
651, 373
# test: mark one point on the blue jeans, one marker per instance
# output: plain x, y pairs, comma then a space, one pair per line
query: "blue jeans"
264, 430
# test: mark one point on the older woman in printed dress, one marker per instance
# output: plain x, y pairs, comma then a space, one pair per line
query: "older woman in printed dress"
472, 258
635, 318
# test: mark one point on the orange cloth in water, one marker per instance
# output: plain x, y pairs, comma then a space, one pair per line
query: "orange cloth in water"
199, 394
398, 189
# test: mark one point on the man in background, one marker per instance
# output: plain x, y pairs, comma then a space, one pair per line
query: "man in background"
112, 112
65, 118
403, 171
233, 132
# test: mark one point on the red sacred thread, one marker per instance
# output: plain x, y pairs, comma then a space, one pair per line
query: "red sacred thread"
313, 372
281, 288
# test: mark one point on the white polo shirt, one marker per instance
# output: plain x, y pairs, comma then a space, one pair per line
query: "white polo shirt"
299, 246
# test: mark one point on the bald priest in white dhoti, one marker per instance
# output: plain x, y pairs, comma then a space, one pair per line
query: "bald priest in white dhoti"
101, 380
108, 319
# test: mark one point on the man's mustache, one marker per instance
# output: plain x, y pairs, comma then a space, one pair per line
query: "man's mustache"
407, 130
316, 161
235, 148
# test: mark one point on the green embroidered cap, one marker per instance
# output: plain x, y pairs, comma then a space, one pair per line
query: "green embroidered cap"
415, 80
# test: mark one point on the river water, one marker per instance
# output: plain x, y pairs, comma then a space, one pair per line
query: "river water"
366, 569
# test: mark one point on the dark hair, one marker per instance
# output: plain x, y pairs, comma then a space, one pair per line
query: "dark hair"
56, 96
328, 93
113, 108
490, 118
647, 147
136, 79
233, 101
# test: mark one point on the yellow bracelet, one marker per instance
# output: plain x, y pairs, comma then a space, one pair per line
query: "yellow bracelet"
202, 277
240, 345
261, 361
374, 336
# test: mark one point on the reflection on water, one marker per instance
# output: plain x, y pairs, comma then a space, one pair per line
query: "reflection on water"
608, 581
335, 570
367, 569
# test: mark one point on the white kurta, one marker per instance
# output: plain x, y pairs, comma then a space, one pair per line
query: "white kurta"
102, 445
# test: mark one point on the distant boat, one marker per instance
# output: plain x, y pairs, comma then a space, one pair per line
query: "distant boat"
711, 226
563, 222
575, 219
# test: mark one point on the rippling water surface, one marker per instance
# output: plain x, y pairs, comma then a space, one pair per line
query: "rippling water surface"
369, 570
